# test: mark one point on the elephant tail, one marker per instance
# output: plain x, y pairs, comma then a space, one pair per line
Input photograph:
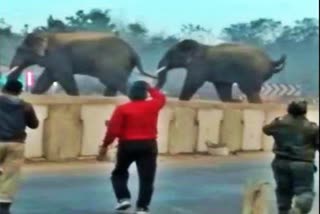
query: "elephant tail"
279, 65
139, 66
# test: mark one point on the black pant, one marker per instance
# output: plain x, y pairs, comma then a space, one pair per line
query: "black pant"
144, 153
294, 179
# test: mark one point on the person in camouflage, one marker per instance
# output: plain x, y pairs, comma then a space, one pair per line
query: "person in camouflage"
296, 142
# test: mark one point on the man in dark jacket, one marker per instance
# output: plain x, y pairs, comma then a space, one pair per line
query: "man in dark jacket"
135, 125
15, 116
296, 142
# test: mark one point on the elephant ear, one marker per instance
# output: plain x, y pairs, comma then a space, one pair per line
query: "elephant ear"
188, 45
190, 48
37, 43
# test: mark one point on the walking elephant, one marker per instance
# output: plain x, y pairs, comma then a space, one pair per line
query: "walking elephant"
221, 65
99, 55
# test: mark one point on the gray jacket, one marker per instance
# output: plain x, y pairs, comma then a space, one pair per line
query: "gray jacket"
15, 116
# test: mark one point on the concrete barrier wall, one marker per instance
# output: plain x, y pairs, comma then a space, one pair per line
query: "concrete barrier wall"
73, 127
209, 123
93, 119
253, 121
34, 148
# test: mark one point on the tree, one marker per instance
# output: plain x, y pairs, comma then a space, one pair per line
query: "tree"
136, 34
95, 20
53, 25
304, 31
258, 32
5, 29
137, 29
192, 28
197, 32
56, 25
25, 30
8, 42
299, 42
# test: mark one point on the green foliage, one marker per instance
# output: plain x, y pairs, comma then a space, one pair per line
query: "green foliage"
137, 29
257, 32
192, 28
8, 42
95, 20
5, 29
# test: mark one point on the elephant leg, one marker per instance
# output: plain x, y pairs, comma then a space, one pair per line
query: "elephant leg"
254, 97
59, 64
43, 83
117, 81
68, 83
252, 92
123, 88
190, 87
224, 91
110, 92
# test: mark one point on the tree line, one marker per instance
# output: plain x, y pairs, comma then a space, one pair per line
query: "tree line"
300, 41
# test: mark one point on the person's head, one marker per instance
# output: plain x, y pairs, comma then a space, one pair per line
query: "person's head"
297, 108
138, 91
12, 87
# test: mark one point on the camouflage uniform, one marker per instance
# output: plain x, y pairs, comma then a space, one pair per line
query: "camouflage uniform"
296, 142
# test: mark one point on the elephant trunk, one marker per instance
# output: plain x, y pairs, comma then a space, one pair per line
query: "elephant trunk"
162, 77
17, 66
162, 72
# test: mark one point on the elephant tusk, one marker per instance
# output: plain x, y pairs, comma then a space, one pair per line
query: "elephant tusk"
161, 69
11, 70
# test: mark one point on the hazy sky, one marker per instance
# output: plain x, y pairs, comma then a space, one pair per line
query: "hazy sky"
162, 15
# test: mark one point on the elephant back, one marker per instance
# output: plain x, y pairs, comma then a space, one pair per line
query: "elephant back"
60, 39
242, 55
237, 49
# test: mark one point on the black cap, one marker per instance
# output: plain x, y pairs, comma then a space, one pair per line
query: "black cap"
13, 87
138, 90
298, 107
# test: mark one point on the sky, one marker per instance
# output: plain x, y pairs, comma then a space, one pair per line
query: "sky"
162, 16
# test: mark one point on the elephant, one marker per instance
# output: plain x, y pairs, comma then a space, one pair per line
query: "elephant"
222, 65
100, 55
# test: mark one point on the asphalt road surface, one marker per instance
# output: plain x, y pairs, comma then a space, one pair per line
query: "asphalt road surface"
185, 185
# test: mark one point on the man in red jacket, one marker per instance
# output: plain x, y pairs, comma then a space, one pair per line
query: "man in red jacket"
135, 125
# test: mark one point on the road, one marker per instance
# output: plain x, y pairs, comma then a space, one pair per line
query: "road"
185, 185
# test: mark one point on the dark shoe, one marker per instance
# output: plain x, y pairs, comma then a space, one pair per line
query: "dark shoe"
2, 211
5, 208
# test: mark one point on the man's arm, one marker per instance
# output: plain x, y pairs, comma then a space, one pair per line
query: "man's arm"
271, 128
114, 127
316, 135
158, 99
30, 116
317, 140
